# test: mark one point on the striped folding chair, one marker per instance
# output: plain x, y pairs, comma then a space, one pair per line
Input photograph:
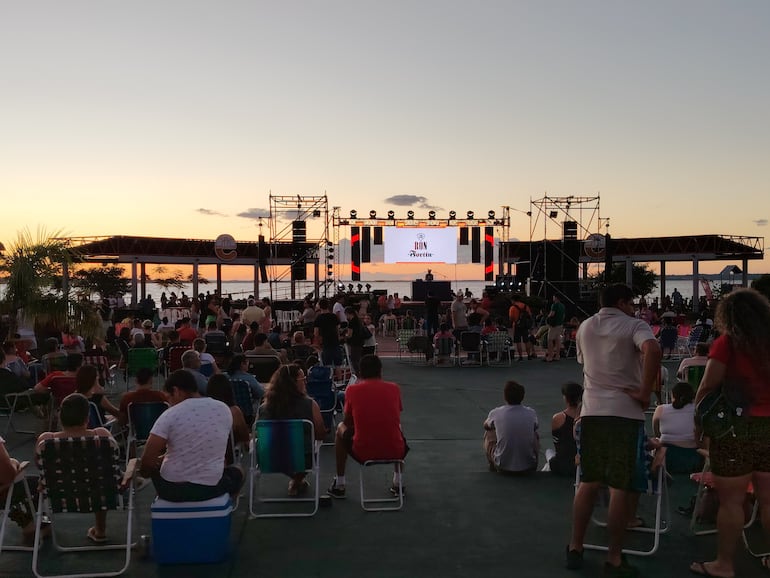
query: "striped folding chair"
80, 476
15, 493
284, 447
141, 418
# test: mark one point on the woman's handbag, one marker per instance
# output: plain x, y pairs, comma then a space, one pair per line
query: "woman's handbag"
720, 412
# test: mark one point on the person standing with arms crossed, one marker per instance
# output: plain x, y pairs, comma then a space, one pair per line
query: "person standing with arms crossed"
621, 359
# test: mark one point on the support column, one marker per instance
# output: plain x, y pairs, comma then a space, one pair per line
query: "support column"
219, 279
695, 285
316, 285
195, 280
662, 281
256, 279
65, 281
134, 300
629, 272
143, 279
745, 274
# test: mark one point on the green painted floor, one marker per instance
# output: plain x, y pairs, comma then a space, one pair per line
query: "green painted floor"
459, 519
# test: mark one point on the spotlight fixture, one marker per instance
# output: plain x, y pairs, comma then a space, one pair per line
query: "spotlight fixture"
553, 214
491, 214
452, 214
372, 214
391, 215
350, 287
431, 215
368, 287
470, 214
410, 214
341, 286
316, 213
359, 287
353, 213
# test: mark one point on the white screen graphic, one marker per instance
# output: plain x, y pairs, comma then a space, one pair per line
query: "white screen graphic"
420, 245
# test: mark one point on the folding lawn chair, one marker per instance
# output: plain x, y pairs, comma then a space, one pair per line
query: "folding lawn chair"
15, 492
141, 418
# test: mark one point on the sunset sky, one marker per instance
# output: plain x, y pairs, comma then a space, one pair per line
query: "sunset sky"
173, 118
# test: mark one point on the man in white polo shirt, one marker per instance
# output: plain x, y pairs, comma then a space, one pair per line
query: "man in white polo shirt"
621, 360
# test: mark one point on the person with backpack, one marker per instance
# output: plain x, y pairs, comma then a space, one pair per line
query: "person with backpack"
522, 322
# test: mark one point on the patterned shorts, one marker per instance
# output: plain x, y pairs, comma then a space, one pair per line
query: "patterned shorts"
748, 451
612, 452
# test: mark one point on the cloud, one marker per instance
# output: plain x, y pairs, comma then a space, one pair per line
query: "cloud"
210, 213
255, 214
760, 222
410, 201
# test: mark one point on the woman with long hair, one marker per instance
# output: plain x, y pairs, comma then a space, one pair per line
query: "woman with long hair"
286, 398
673, 424
561, 460
740, 357
219, 388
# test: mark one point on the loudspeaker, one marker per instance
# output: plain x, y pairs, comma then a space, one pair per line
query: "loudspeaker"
355, 253
475, 244
366, 245
463, 235
378, 235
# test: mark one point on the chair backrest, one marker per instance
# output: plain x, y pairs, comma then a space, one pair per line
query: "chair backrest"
142, 357
102, 365
94, 416
322, 391
80, 475
445, 345
284, 445
55, 363
142, 416
61, 386
207, 369
175, 356
498, 342
263, 366
695, 375
216, 344
694, 337
243, 398
470, 341
404, 335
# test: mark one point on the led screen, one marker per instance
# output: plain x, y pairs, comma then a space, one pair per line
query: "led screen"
420, 245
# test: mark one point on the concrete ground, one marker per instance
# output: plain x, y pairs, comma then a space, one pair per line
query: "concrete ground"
459, 519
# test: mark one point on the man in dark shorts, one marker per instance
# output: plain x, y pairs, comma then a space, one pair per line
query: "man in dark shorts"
621, 360
521, 319
372, 426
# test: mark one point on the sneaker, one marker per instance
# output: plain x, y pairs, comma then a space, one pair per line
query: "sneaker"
394, 490
336, 491
574, 559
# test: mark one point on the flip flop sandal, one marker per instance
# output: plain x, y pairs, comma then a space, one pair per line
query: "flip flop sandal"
700, 569
96, 539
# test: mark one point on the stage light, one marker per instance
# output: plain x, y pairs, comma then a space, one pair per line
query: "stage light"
359, 287
470, 214
553, 214
452, 214
341, 286
410, 214
391, 215
491, 214
353, 213
350, 287
372, 214
431, 215
368, 287
316, 213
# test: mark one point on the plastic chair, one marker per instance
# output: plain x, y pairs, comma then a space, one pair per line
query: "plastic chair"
320, 386
141, 418
80, 476
283, 447
402, 339
11, 489
216, 344
175, 358
140, 358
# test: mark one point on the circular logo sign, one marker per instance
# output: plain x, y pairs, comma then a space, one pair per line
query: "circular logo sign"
225, 247
594, 245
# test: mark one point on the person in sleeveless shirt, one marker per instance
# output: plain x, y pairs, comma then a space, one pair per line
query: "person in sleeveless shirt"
561, 460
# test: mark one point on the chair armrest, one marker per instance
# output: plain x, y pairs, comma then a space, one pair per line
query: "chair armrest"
131, 471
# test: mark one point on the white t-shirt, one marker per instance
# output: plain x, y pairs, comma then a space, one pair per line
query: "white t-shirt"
339, 311
516, 430
609, 347
676, 425
197, 432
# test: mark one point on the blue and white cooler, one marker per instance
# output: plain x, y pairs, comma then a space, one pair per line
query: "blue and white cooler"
191, 532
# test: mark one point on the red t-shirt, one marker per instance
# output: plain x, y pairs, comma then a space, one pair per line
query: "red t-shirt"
187, 334
376, 409
740, 366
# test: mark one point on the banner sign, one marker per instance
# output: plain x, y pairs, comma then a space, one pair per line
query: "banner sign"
420, 245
